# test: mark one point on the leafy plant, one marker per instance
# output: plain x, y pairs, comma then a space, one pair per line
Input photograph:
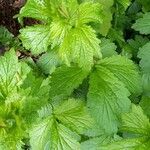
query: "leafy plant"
84, 82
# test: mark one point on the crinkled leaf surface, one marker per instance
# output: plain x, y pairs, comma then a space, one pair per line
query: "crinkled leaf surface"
12, 74
107, 98
48, 62
38, 9
51, 134
73, 114
36, 38
125, 70
81, 46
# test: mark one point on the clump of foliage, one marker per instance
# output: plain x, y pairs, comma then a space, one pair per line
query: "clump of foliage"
89, 86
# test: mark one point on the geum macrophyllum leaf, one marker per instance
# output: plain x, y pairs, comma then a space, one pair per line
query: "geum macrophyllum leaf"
145, 103
75, 40
108, 93
143, 24
95, 143
12, 74
89, 12
55, 131
37, 95
73, 114
49, 61
137, 123
143, 54
36, 38
65, 79
124, 3
58, 31
80, 46
125, 70
107, 99
5, 35
108, 48
37, 9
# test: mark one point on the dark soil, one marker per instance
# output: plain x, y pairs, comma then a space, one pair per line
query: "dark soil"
8, 9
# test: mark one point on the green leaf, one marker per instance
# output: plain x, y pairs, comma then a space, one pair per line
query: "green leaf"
54, 131
128, 144
36, 91
36, 38
65, 79
136, 43
104, 27
9, 74
95, 143
51, 135
137, 123
125, 70
145, 4
73, 114
107, 99
106, 23
144, 53
48, 62
145, 103
143, 24
107, 48
124, 3
37, 9
58, 31
81, 46
5, 35
89, 12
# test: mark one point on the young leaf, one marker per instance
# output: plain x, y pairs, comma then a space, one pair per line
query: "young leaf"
89, 12
37, 9
125, 70
107, 99
81, 46
143, 24
65, 79
36, 38
58, 31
